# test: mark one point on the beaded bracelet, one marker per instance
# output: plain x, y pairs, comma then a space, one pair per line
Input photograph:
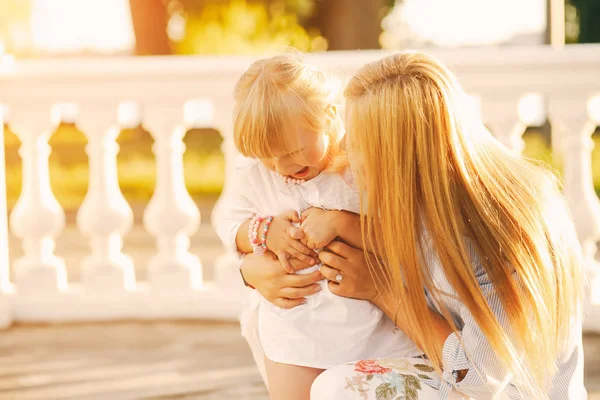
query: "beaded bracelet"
253, 235
263, 242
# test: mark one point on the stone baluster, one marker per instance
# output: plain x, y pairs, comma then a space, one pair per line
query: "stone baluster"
227, 265
105, 216
5, 311
532, 112
579, 191
499, 116
37, 218
172, 216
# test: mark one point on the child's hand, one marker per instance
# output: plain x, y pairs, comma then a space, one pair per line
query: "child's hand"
283, 240
318, 227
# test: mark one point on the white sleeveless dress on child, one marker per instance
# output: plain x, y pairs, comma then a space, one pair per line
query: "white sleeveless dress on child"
328, 330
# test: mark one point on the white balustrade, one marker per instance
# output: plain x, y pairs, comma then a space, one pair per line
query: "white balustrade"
105, 216
37, 218
172, 216
515, 87
580, 194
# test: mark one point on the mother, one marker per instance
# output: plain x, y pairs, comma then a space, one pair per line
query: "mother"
456, 225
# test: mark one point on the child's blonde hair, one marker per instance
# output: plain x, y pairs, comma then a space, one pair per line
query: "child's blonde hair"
432, 170
273, 95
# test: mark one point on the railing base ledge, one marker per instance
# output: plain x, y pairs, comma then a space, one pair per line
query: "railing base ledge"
143, 303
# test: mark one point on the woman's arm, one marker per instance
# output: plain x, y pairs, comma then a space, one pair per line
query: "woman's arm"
358, 282
469, 362
390, 307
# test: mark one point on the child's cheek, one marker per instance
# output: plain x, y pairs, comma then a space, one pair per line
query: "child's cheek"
268, 164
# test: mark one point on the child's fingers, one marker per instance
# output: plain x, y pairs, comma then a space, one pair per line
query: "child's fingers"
302, 248
285, 263
302, 257
295, 233
291, 216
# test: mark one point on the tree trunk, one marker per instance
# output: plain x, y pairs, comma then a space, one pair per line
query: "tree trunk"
150, 18
349, 24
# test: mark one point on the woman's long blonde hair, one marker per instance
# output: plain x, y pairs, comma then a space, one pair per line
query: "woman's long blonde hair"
275, 93
431, 169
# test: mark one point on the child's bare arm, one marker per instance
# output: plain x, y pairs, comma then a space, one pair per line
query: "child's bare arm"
241, 239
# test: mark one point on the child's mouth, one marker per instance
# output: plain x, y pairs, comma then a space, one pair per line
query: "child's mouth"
302, 173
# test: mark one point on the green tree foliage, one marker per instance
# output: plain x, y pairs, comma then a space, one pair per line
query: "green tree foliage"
588, 14
245, 27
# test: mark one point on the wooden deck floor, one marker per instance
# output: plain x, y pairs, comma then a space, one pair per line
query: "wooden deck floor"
127, 360
158, 360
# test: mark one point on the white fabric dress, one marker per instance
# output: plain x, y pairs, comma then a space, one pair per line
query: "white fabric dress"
328, 330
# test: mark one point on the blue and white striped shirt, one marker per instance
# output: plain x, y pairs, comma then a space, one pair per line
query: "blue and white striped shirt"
486, 377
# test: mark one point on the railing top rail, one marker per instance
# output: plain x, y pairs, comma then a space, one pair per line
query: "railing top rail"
182, 66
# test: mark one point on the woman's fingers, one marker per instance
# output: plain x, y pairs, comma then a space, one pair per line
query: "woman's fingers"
332, 259
298, 265
335, 288
329, 273
299, 281
341, 249
288, 303
298, 293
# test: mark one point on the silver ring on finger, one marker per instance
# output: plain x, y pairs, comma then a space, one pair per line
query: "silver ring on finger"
339, 278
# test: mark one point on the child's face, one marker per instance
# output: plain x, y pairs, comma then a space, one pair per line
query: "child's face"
307, 158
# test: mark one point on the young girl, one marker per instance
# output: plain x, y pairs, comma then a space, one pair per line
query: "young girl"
286, 121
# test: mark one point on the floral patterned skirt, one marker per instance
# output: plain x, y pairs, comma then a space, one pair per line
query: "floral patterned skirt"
379, 379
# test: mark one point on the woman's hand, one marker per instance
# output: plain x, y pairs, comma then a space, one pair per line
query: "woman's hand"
274, 284
357, 280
